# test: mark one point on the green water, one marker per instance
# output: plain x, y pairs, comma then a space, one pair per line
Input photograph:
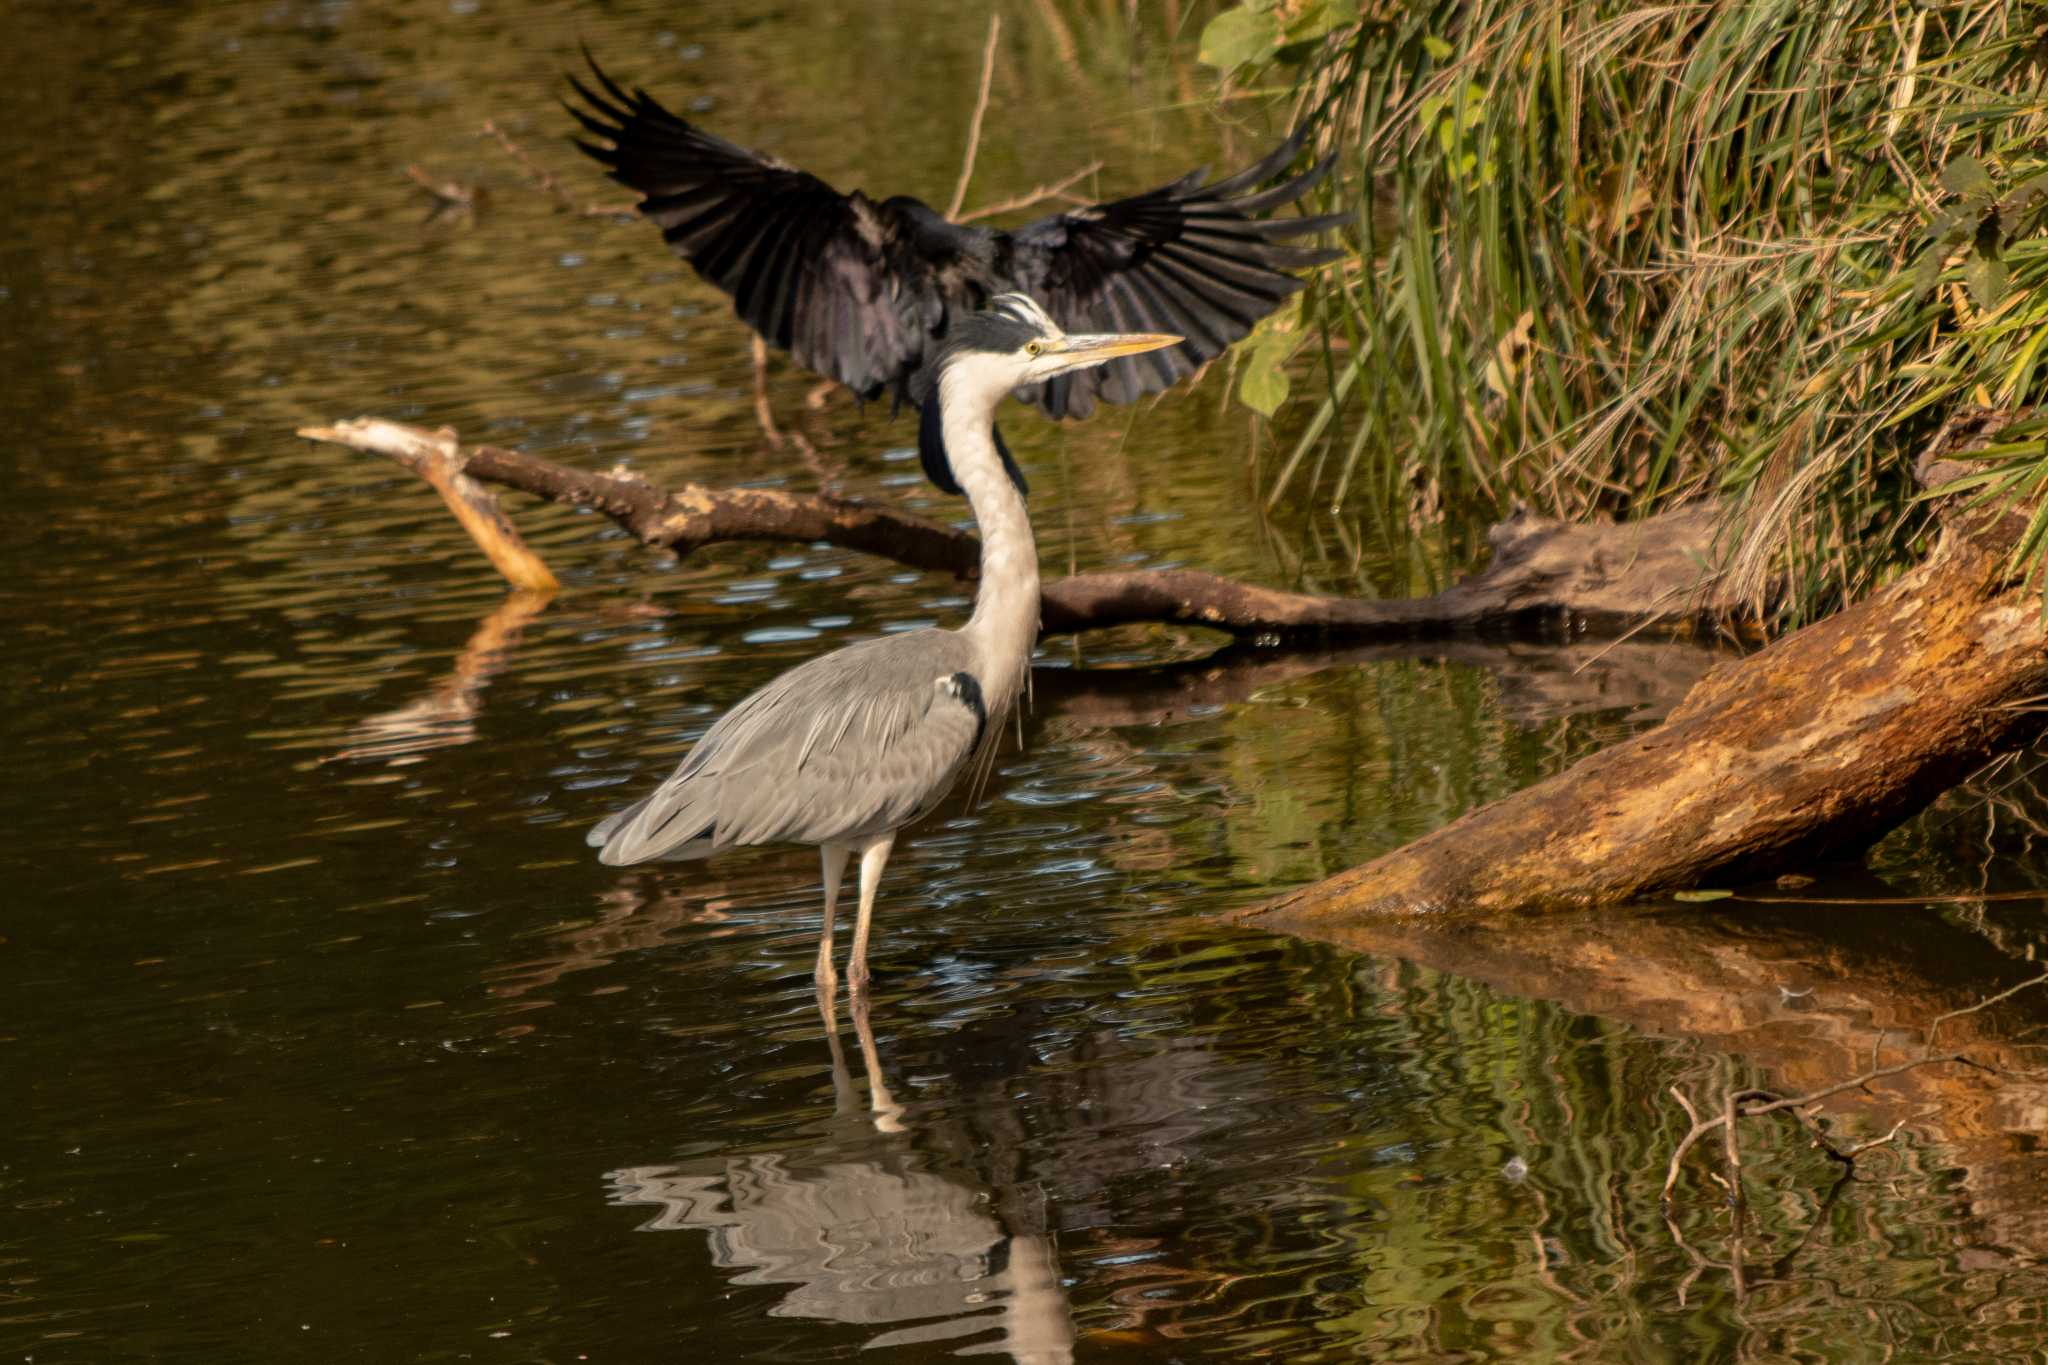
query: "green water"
323, 1037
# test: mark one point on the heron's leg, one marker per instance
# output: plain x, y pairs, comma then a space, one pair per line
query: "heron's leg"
873, 859
833, 857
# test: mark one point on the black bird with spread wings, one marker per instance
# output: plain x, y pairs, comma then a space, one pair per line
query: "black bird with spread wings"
862, 290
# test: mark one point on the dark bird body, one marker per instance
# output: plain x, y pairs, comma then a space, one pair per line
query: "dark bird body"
864, 290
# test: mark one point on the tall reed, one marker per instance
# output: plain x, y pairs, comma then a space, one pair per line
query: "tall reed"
1619, 255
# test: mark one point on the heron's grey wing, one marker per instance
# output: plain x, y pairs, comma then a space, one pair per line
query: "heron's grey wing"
852, 288
855, 742
1188, 258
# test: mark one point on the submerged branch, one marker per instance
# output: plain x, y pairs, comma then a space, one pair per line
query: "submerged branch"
1544, 577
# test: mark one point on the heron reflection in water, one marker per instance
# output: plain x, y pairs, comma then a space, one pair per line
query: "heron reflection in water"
867, 1233
844, 751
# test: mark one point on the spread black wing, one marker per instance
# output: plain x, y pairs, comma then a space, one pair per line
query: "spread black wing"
862, 290
854, 289
1193, 259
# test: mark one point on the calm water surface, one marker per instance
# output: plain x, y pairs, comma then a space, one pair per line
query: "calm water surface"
323, 1037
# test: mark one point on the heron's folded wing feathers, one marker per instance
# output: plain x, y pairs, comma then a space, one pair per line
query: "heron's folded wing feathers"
855, 742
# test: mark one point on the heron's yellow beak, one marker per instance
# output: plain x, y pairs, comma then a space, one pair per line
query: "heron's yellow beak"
1090, 349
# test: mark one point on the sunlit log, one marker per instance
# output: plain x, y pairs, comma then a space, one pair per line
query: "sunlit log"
1813, 747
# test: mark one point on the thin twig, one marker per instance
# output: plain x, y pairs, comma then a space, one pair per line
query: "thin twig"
1058, 189
453, 194
2004, 995
1749, 1104
547, 182
1733, 1152
988, 71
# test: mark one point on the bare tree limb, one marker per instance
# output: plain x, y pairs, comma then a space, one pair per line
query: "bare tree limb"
1544, 575
436, 457
1055, 190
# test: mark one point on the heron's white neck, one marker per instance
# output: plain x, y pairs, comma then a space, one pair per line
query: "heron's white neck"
1004, 626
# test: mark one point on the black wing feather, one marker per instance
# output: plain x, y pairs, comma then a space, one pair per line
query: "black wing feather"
1186, 257
853, 289
862, 291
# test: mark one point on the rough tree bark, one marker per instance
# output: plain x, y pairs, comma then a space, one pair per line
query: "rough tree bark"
1545, 577
1815, 745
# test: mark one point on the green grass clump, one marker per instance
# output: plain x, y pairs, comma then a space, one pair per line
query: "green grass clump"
1613, 256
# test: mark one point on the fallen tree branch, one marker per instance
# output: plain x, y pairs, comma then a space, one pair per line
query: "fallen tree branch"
1546, 578
1811, 748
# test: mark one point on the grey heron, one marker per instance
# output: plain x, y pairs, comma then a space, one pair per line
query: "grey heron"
865, 290
845, 750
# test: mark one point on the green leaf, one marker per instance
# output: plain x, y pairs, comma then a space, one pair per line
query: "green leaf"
2025, 198
1926, 272
1967, 177
1437, 48
1953, 227
1697, 896
1471, 106
1265, 385
1987, 278
1238, 36
1317, 19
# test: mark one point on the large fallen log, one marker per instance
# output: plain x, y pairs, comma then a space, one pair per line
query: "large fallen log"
1545, 577
1816, 745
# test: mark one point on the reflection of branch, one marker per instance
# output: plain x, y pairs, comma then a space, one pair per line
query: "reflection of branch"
447, 714
1742, 1103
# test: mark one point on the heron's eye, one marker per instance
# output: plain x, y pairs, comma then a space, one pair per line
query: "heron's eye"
1033, 347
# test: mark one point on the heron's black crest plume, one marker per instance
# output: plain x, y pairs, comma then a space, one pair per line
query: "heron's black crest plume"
867, 290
